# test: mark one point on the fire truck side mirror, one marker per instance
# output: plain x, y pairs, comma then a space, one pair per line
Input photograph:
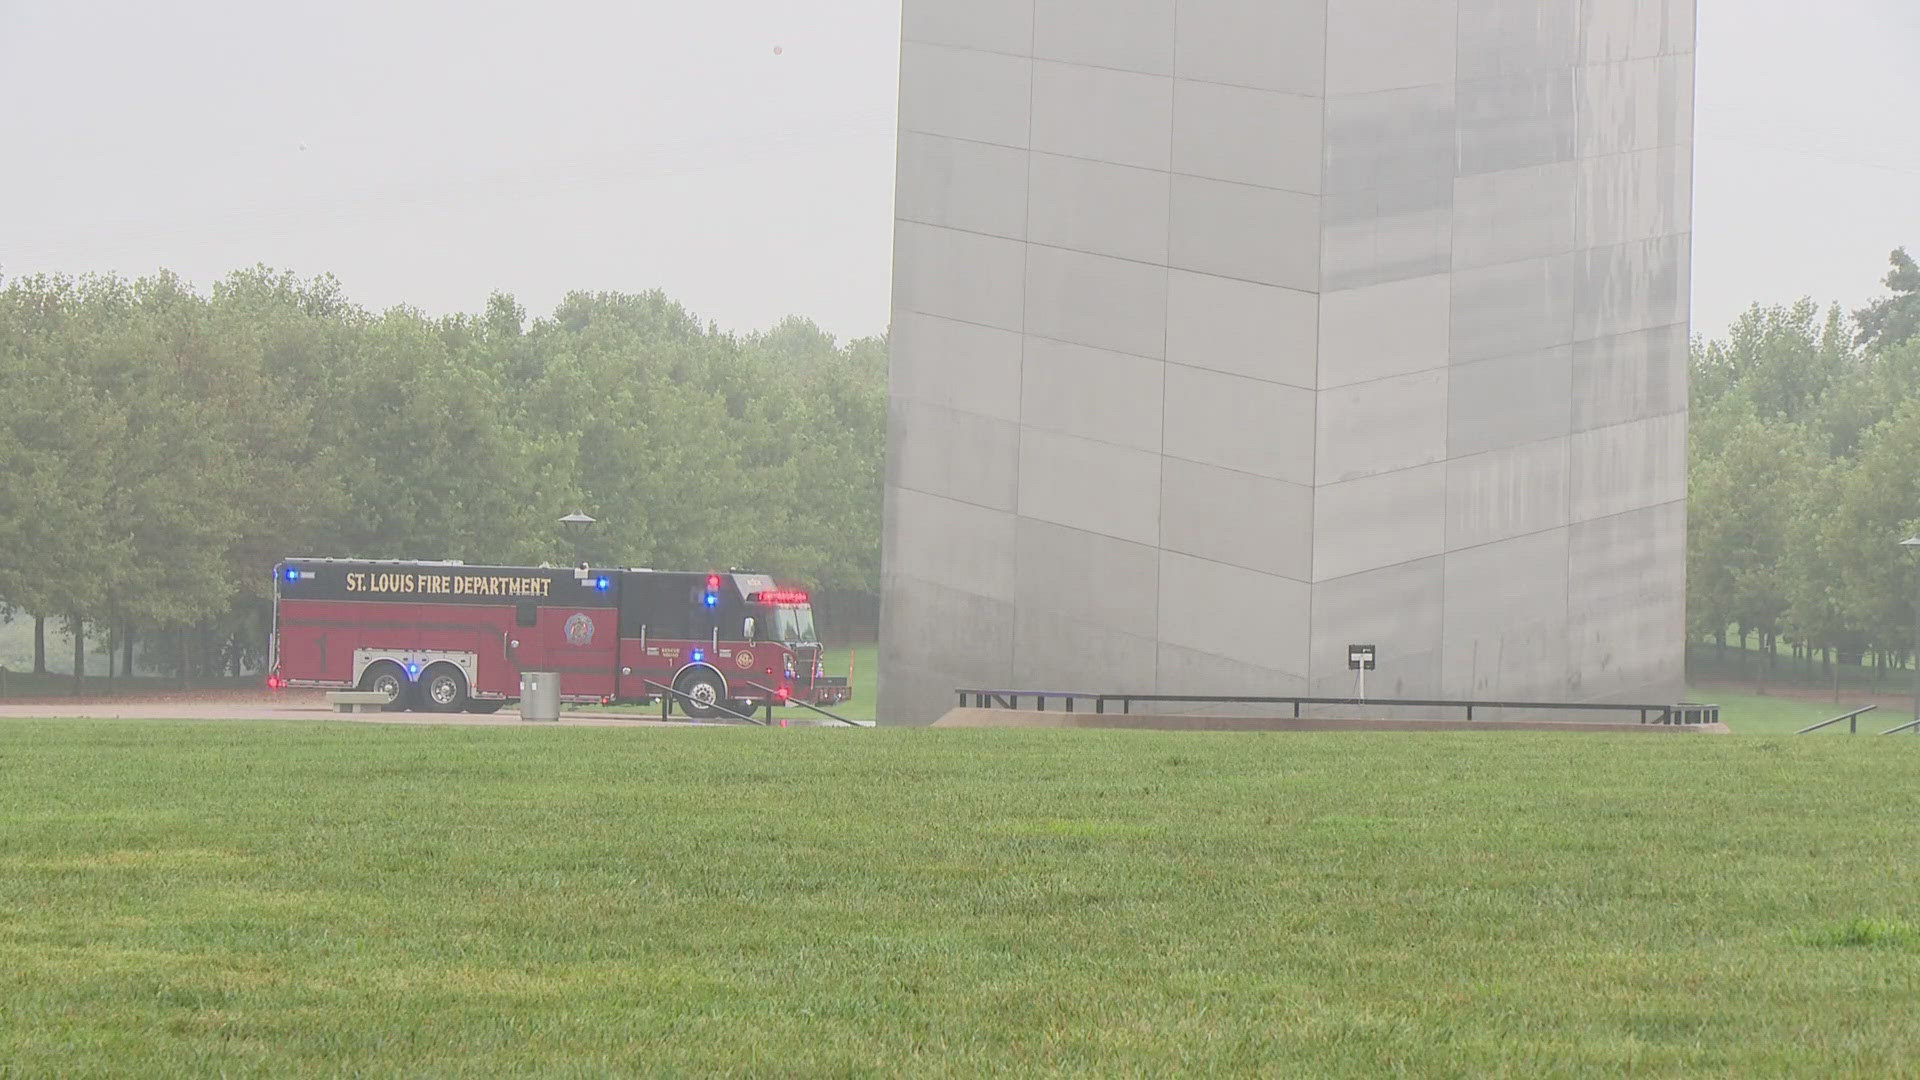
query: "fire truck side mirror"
747, 630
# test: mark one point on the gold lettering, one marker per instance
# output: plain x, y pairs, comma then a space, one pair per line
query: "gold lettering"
449, 585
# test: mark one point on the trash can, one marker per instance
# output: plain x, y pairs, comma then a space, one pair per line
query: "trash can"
539, 695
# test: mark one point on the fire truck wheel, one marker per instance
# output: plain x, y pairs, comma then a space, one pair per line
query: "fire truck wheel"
744, 708
485, 708
443, 689
703, 692
387, 677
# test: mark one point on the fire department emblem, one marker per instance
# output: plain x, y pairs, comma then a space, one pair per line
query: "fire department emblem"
744, 658
579, 629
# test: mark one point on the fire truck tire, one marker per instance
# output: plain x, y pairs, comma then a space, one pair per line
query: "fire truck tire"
703, 691
443, 689
484, 708
389, 678
744, 708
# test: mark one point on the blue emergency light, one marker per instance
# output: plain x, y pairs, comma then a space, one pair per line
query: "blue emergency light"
699, 655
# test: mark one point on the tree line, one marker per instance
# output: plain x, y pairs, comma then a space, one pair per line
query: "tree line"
163, 447
1805, 478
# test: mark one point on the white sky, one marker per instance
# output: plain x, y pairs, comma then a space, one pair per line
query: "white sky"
429, 152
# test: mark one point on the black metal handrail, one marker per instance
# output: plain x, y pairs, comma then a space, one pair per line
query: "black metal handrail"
805, 705
1852, 720
1682, 714
686, 699
1911, 725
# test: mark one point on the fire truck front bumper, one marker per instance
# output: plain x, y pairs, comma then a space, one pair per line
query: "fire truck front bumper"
829, 691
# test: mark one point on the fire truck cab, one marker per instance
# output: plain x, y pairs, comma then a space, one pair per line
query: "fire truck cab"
447, 637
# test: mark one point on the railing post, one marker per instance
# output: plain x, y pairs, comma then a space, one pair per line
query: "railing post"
1100, 704
1469, 714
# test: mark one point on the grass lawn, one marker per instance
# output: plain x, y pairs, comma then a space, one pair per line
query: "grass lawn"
327, 898
1768, 714
25, 684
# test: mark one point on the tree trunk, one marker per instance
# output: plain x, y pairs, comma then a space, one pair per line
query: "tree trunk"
186, 673
39, 644
126, 645
79, 628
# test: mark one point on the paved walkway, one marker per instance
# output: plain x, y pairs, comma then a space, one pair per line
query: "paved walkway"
289, 705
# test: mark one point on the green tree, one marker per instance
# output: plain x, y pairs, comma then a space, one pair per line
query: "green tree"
1740, 540
1878, 507
1894, 319
58, 435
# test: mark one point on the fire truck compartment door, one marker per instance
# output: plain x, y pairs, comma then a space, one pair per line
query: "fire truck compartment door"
579, 643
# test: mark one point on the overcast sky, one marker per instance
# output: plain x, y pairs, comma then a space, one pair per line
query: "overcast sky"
432, 152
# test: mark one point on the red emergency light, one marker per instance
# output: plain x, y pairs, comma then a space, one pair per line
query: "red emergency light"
780, 596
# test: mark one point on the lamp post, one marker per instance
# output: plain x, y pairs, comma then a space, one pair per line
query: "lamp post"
1913, 544
576, 525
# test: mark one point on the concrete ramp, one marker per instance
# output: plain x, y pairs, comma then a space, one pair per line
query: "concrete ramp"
1018, 718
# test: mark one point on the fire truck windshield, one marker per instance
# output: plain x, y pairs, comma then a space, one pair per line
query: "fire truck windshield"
791, 624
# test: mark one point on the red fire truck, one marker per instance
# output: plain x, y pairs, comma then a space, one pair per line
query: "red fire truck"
447, 637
